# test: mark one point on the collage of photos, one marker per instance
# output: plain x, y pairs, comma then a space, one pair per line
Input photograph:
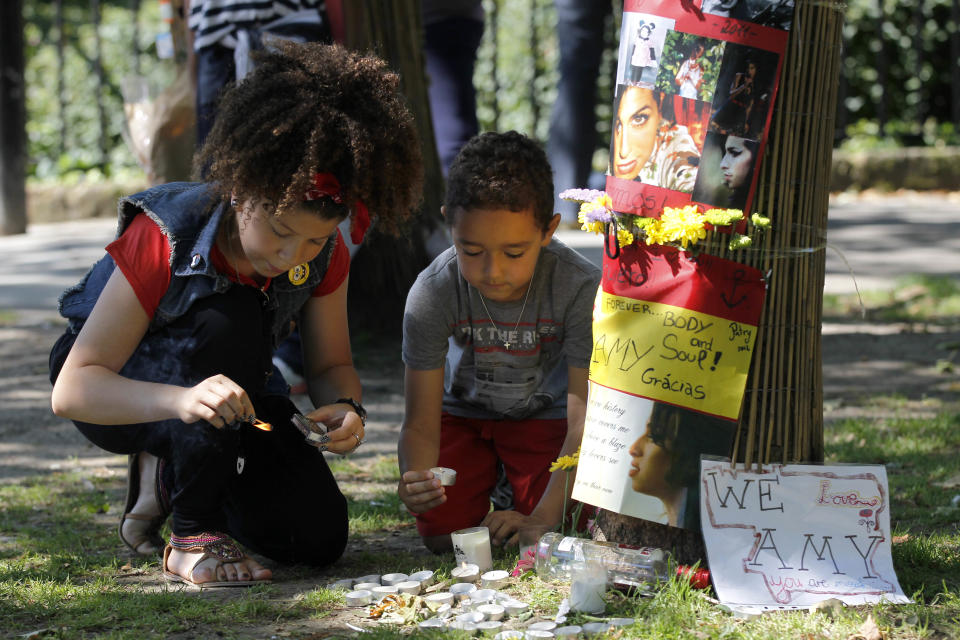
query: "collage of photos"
690, 111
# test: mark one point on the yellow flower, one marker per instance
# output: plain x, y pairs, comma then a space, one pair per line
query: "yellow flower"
594, 227
563, 463
654, 233
738, 241
684, 225
760, 221
723, 217
624, 237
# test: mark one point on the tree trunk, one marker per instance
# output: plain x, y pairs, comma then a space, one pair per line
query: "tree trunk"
782, 415
13, 195
384, 268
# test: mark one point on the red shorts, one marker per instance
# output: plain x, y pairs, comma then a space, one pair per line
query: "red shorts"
472, 448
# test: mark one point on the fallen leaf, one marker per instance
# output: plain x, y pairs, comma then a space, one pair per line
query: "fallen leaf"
868, 631
950, 483
901, 539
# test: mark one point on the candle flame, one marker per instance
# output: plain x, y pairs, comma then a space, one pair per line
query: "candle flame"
260, 424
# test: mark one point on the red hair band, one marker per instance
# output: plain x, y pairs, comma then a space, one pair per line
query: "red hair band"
326, 185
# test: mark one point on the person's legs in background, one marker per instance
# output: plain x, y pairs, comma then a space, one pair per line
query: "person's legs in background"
215, 69
572, 135
451, 50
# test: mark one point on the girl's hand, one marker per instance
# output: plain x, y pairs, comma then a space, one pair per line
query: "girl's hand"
218, 400
420, 491
345, 429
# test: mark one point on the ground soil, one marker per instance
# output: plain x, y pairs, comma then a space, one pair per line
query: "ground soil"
861, 362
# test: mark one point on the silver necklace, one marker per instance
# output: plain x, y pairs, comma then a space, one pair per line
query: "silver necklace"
507, 343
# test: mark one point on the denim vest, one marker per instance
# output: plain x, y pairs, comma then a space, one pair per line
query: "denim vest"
189, 215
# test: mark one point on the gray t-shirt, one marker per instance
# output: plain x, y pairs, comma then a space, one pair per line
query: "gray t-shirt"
445, 325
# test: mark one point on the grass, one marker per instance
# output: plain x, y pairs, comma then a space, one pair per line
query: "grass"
913, 299
60, 570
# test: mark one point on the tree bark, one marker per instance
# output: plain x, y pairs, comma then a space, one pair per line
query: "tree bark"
384, 268
13, 196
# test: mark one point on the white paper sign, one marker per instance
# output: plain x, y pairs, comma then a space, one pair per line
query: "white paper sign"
793, 535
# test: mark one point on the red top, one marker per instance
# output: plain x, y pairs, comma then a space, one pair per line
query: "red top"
142, 253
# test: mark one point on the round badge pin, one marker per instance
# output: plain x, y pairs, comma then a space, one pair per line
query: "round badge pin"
298, 275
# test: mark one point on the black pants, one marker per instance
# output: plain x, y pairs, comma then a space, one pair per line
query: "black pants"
285, 504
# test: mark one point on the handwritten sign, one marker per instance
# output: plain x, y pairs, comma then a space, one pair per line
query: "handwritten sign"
794, 535
672, 329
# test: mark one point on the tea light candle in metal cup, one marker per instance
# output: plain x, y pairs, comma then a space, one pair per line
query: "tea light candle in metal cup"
432, 623
466, 573
543, 625
411, 587
383, 590
470, 616
621, 622
572, 631
463, 625
494, 579
436, 600
593, 628
515, 607
472, 546
393, 578
373, 577
462, 590
491, 611
366, 586
481, 596
509, 634
447, 477
489, 627
425, 578
359, 598
537, 633
346, 584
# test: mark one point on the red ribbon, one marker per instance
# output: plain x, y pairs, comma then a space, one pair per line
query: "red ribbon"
326, 185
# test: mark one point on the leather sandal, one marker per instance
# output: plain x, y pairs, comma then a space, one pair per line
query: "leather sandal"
211, 545
152, 533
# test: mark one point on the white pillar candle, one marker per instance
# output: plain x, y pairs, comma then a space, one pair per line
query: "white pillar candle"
473, 546
465, 573
588, 583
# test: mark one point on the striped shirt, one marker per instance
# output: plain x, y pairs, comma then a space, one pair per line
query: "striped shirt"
213, 20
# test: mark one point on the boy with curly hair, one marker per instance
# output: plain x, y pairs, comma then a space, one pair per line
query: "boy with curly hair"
496, 341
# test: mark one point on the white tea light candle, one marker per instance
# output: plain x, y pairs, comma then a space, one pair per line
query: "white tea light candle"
493, 579
466, 573
393, 578
425, 578
358, 598
462, 590
473, 546
447, 477
411, 587
436, 600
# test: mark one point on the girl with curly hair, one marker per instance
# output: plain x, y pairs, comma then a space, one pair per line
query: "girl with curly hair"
167, 356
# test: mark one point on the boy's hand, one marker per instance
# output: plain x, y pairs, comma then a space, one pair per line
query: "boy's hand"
421, 491
218, 400
505, 526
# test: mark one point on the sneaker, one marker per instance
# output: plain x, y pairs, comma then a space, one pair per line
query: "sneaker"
297, 384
